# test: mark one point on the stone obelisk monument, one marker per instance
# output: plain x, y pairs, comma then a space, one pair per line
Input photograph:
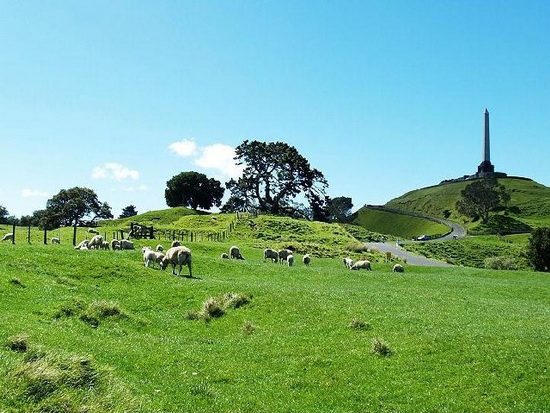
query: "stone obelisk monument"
486, 168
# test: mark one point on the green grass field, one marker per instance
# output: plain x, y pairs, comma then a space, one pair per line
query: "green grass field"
96, 331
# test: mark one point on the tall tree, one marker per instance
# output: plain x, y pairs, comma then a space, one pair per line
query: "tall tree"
71, 206
538, 249
128, 211
3, 215
481, 197
339, 208
193, 190
275, 174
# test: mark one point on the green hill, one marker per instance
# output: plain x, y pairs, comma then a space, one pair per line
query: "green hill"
529, 205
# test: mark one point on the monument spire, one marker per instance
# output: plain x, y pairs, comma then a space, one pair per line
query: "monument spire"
486, 168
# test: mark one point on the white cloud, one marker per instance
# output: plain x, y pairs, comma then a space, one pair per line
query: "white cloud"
185, 147
114, 171
139, 188
220, 157
33, 193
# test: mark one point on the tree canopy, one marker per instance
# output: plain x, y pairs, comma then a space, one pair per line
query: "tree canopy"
275, 175
481, 197
538, 249
71, 206
128, 211
339, 208
193, 190
3, 214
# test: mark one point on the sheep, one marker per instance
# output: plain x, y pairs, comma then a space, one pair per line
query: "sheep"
398, 268
105, 245
271, 254
224, 256
159, 248
362, 264
151, 257
93, 231
82, 245
235, 253
348, 262
55, 240
175, 243
96, 242
283, 254
306, 259
290, 260
8, 237
115, 244
177, 256
126, 244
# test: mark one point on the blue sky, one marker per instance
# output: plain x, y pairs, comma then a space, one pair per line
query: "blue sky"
383, 97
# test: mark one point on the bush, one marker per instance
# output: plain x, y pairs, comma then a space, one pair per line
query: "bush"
500, 263
538, 249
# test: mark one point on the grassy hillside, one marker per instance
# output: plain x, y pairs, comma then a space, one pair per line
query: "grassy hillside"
530, 202
95, 331
399, 225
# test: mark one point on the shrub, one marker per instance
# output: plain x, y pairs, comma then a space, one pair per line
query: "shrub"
211, 308
357, 247
235, 300
500, 263
381, 348
538, 249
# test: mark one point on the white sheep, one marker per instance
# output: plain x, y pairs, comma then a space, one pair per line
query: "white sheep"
361, 265
159, 248
235, 253
283, 254
348, 262
271, 254
290, 260
175, 243
82, 245
306, 259
224, 256
8, 237
55, 240
115, 244
96, 242
177, 256
93, 231
398, 268
151, 257
126, 244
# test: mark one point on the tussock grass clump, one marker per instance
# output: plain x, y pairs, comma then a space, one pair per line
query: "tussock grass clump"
215, 307
357, 324
381, 348
100, 310
357, 247
248, 327
18, 343
17, 282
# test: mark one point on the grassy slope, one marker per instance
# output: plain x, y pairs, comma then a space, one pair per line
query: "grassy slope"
462, 339
531, 198
399, 225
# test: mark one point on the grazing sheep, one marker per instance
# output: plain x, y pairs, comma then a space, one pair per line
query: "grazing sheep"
159, 248
55, 240
398, 268
175, 243
306, 259
177, 256
115, 244
96, 242
283, 254
8, 237
290, 260
271, 254
362, 264
126, 244
93, 231
151, 257
82, 245
235, 253
225, 256
105, 245
348, 262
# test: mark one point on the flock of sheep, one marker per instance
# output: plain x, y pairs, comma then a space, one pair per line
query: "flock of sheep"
178, 255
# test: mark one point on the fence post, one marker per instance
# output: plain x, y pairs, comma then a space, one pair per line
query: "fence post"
45, 236
74, 235
29, 235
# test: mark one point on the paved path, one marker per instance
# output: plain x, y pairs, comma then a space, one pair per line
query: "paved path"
411, 258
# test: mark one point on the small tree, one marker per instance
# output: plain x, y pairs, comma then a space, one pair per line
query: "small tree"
339, 208
481, 197
70, 206
193, 190
3, 215
128, 211
538, 249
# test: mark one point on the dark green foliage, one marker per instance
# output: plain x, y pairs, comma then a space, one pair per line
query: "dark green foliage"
3, 215
501, 263
70, 206
193, 190
128, 211
339, 209
481, 197
18, 343
274, 175
538, 249
381, 348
